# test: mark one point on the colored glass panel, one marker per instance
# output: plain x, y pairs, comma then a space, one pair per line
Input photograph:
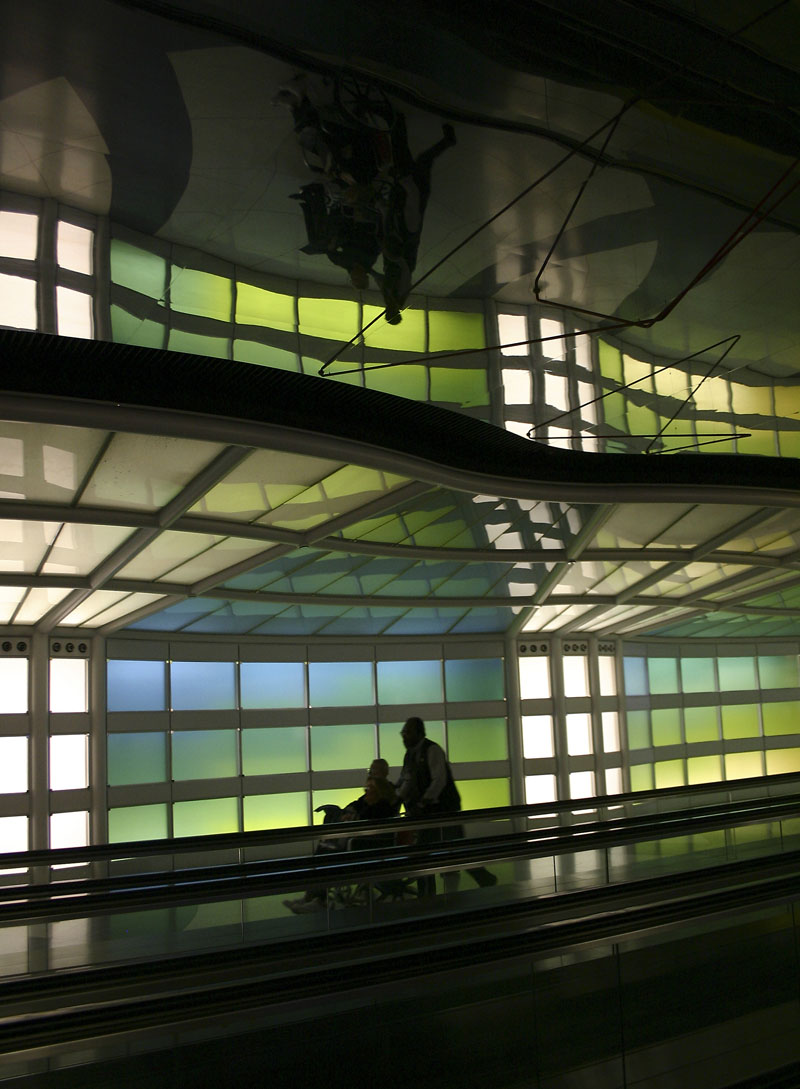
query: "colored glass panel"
701, 724
669, 773
474, 679
201, 293
641, 777
736, 673
704, 769
137, 822
450, 330
331, 319
697, 675
340, 684
128, 329
263, 811
781, 718
408, 336
137, 758
743, 765
272, 684
404, 682
638, 730
197, 344
740, 720
336, 748
663, 675
264, 355
136, 685
778, 671
477, 739
206, 817
258, 306
402, 381
666, 724
274, 750
459, 385
484, 793
198, 686
635, 673
204, 754
782, 761
137, 269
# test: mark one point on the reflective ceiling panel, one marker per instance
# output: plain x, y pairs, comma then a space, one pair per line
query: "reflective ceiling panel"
37, 603
79, 549
45, 463
341, 492
23, 545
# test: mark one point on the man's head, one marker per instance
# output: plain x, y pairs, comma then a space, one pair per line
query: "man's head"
378, 769
413, 732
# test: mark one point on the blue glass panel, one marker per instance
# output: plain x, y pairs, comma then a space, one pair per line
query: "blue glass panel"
401, 682
340, 684
635, 676
136, 686
203, 686
474, 679
272, 684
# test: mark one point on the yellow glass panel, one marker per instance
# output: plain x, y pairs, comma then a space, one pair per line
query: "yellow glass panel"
275, 811
202, 293
450, 331
642, 777
257, 306
782, 761
666, 723
669, 773
410, 382
638, 372
789, 442
704, 769
332, 319
758, 442
210, 816
781, 718
671, 383
484, 793
740, 720
751, 400
701, 724
610, 360
787, 401
742, 765
712, 396
642, 420
408, 336
459, 386
264, 355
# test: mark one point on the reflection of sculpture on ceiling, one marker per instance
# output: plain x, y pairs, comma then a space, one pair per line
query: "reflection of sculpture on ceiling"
370, 195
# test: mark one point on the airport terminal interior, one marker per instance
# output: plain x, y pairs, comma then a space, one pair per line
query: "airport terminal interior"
363, 361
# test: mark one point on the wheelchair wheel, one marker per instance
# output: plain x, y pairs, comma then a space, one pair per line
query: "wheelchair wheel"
363, 103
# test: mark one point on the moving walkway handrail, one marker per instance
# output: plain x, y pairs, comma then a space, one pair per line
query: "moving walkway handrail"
106, 895
242, 840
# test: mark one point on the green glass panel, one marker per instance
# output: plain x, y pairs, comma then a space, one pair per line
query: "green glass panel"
477, 739
195, 344
449, 331
204, 754
666, 724
697, 675
740, 720
332, 319
257, 306
782, 761
275, 811
399, 680
789, 442
137, 269
484, 793
410, 382
335, 748
778, 671
276, 750
760, 443
704, 769
663, 675
781, 718
128, 329
635, 676
641, 420
272, 684
701, 724
137, 758
474, 679
408, 336
638, 730
340, 684
207, 817
614, 408
460, 386
642, 777
137, 822
610, 360
736, 673
201, 293
264, 355
669, 773
743, 765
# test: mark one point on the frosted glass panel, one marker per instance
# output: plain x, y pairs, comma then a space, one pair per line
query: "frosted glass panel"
204, 754
399, 682
274, 751
13, 765
137, 758
198, 686
781, 718
68, 685
534, 678
474, 679
14, 834
19, 235
484, 793
669, 773
136, 685
13, 686
272, 684
275, 811
74, 247
782, 761
576, 676
69, 762
635, 676
209, 817
642, 777
701, 724
137, 822
666, 725
736, 673
704, 769
579, 735
638, 730
740, 721
513, 328
537, 736
663, 675
607, 668
340, 684
743, 765
335, 748
540, 788
610, 720
778, 671
697, 675
17, 302
581, 784
477, 739
614, 781
69, 829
